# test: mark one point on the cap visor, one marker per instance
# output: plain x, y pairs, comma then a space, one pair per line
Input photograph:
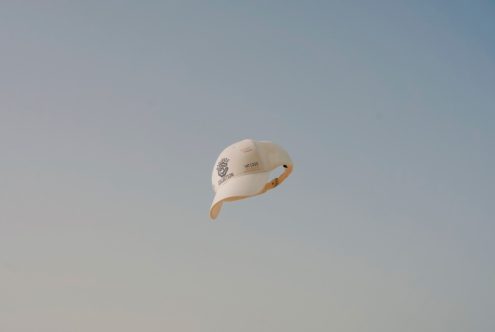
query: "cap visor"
238, 188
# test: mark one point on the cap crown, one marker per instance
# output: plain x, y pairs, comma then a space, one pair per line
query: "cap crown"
238, 159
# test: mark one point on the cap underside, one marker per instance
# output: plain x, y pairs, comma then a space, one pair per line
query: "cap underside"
238, 188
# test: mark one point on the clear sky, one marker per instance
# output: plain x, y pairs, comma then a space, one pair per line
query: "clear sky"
112, 114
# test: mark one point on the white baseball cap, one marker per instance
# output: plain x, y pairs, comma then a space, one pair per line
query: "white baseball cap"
243, 170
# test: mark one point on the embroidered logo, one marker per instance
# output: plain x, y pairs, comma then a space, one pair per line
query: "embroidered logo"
222, 167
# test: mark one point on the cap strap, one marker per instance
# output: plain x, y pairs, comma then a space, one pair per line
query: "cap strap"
278, 180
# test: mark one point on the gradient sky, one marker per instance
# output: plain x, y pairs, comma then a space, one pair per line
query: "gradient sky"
112, 114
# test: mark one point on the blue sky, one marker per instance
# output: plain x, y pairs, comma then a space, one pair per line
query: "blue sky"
113, 113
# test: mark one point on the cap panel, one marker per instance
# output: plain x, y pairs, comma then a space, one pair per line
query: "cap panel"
273, 155
238, 159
